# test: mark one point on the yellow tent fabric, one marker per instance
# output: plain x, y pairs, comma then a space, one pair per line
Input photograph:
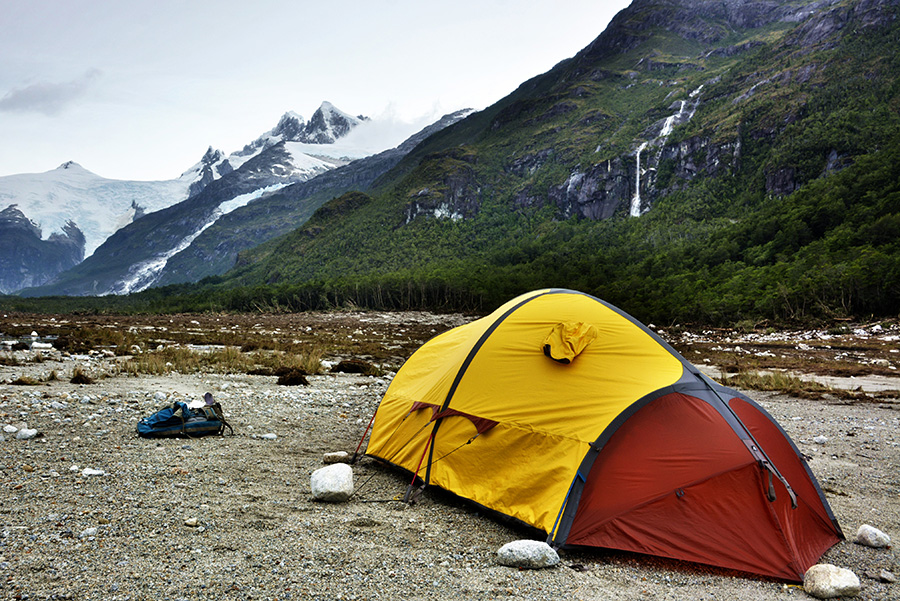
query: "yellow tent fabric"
566, 340
547, 413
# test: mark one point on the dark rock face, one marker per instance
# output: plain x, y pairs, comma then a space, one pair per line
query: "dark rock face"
459, 198
781, 182
213, 166
325, 126
289, 127
530, 163
27, 260
594, 194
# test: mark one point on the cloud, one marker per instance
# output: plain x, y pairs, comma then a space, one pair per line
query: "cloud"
47, 98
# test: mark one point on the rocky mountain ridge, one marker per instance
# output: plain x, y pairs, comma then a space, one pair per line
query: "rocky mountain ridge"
260, 199
73, 197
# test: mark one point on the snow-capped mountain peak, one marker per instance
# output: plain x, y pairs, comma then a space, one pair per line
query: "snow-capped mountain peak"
212, 166
71, 193
289, 127
328, 124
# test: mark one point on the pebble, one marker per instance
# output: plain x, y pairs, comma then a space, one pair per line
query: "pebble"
870, 536
88, 532
336, 457
333, 484
826, 581
528, 554
26, 433
882, 576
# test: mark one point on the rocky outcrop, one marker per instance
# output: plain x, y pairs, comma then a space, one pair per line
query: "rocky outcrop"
212, 166
28, 260
459, 197
595, 193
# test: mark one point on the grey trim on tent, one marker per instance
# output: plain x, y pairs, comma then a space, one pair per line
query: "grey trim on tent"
796, 450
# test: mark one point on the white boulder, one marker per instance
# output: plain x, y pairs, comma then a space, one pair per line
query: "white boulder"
871, 536
333, 483
529, 554
825, 581
26, 433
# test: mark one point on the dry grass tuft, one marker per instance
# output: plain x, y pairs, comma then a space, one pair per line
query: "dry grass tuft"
776, 381
80, 377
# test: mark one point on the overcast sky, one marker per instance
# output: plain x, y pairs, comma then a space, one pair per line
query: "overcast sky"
138, 89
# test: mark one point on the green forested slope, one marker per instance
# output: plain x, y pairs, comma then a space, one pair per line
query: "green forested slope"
799, 219
775, 195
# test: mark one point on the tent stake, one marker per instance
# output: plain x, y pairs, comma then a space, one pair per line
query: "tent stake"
409, 489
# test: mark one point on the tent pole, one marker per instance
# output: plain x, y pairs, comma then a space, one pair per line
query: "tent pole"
356, 452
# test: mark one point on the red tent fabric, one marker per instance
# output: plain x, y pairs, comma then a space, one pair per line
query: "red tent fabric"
680, 478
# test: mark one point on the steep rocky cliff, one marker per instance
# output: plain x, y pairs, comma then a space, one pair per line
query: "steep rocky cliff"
26, 258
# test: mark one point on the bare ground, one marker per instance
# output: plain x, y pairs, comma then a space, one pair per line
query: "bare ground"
122, 535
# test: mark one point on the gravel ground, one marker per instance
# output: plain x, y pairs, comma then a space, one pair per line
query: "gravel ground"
122, 535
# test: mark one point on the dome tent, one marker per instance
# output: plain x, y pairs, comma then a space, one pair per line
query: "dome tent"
567, 414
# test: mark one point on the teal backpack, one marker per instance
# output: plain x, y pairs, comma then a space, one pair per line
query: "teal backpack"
179, 420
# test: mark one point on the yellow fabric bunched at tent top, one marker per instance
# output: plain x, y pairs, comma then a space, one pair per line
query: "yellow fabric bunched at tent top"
547, 412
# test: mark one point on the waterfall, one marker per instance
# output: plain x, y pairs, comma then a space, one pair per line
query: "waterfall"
670, 121
636, 200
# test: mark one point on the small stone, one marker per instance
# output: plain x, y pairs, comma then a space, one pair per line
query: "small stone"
531, 554
88, 471
26, 433
88, 532
820, 439
337, 457
10, 429
825, 581
192, 522
870, 536
882, 576
269, 436
333, 483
